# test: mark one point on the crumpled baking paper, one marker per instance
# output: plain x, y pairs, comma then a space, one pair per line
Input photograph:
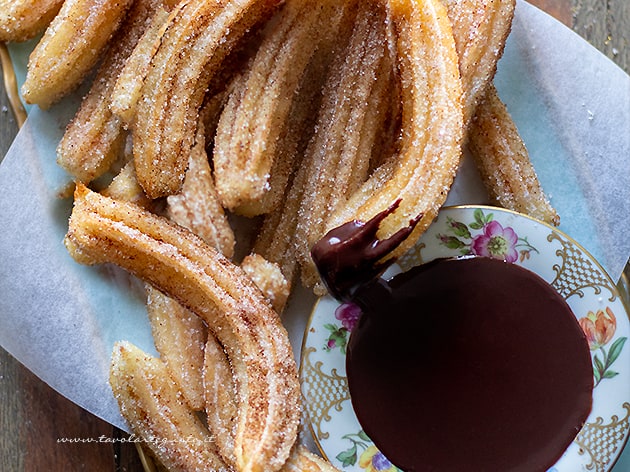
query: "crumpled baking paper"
60, 319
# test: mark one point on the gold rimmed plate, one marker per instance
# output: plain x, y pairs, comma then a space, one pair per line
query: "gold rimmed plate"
554, 256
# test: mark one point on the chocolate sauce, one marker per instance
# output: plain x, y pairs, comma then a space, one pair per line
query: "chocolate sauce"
350, 255
470, 365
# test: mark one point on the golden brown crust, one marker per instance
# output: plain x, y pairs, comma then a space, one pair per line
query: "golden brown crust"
23, 19
150, 401
337, 158
503, 161
432, 126
220, 399
70, 47
198, 36
197, 206
93, 139
128, 87
179, 337
200, 278
269, 279
480, 29
302, 460
255, 117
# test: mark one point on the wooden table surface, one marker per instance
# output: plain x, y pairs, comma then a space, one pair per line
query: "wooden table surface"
33, 416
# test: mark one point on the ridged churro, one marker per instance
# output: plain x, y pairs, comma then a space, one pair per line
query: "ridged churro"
179, 264
93, 138
195, 41
269, 279
70, 47
338, 155
276, 237
219, 393
432, 127
151, 402
221, 410
179, 336
503, 161
197, 206
23, 19
255, 116
480, 29
128, 87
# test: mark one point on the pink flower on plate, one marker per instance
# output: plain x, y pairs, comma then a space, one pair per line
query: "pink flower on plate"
496, 242
349, 314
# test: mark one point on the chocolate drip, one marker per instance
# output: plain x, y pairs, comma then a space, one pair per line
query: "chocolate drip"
351, 255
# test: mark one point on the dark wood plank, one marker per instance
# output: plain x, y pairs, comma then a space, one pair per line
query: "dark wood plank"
559, 9
606, 25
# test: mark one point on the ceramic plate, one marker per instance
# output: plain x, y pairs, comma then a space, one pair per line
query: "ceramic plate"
493, 232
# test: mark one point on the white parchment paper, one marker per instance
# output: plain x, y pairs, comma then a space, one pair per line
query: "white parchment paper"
60, 319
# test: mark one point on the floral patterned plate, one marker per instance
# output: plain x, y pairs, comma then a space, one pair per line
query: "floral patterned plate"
515, 238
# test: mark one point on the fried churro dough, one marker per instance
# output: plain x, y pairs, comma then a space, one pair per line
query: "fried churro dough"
221, 413
269, 279
275, 240
70, 47
128, 87
179, 336
219, 393
23, 19
338, 155
480, 29
250, 178
503, 161
197, 206
150, 401
432, 127
124, 186
93, 139
179, 264
196, 40
302, 460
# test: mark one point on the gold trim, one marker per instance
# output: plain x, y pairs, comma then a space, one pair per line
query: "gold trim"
10, 85
622, 288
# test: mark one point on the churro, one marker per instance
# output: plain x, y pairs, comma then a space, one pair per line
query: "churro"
432, 127
179, 336
338, 155
70, 47
181, 265
269, 279
93, 139
128, 87
480, 29
196, 40
503, 161
219, 393
23, 19
276, 237
255, 116
221, 411
197, 206
150, 401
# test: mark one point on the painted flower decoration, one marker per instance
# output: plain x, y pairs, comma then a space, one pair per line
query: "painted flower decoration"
485, 237
496, 242
348, 314
599, 327
373, 460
